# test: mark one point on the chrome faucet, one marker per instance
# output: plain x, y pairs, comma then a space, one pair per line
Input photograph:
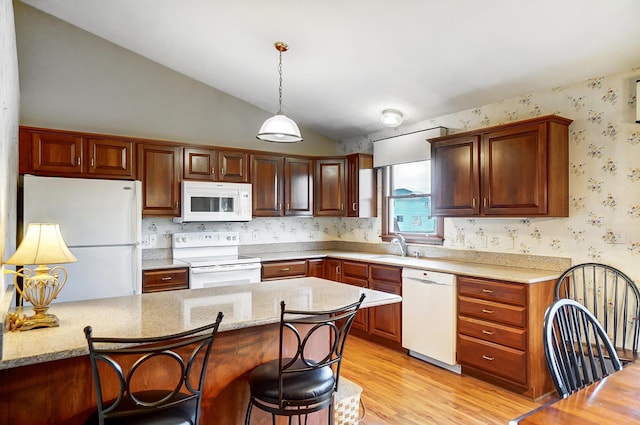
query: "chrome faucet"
401, 242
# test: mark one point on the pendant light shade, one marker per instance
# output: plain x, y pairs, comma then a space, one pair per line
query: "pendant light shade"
280, 128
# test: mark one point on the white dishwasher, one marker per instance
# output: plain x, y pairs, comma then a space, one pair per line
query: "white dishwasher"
429, 316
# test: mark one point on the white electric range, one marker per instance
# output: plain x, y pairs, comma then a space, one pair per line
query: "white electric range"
213, 259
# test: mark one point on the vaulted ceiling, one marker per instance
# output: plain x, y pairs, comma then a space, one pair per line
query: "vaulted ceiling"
350, 59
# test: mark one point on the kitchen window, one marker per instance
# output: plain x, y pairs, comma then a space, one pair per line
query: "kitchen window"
407, 204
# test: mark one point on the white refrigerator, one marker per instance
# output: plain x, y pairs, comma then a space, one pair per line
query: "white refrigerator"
100, 221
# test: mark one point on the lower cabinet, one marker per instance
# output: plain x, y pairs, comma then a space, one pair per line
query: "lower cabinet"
272, 270
381, 324
500, 333
165, 279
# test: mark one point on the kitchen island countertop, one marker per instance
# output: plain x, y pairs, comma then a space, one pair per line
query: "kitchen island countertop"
153, 314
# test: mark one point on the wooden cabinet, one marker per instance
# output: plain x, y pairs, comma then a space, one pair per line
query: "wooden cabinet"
74, 155
499, 333
215, 165
165, 279
159, 169
361, 186
315, 267
266, 180
298, 186
357, 274
284, 269
282, 186
381, 324
513, 170
330, 187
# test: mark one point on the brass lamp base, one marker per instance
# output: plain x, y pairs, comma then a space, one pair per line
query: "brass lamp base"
17, 322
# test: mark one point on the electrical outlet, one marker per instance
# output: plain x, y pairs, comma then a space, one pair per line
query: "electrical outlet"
145, 240
153, 239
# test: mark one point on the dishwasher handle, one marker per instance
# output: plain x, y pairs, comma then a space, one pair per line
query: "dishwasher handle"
427, 281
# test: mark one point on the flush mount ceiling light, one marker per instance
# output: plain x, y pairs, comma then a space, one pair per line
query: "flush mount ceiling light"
280, 128
391, 118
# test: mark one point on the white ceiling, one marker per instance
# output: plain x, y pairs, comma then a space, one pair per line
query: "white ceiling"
350, 59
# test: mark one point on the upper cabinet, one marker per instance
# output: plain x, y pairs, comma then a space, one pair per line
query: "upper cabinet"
215, 165
330, 187
361, 186
73, 155
513, 170
159, 168
345, 187
282, 186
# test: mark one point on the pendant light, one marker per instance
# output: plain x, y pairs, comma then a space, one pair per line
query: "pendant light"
280, 128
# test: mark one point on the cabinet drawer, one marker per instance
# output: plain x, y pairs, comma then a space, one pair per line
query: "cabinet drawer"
388, 274
355, 269
487, 310
165, 280
284, 269
493, 332
496, 359
494, 291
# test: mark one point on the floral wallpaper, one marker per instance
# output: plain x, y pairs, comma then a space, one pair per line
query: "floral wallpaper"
604, 184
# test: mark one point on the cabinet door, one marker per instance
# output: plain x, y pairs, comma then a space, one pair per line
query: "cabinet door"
59, 153
108, 157
315, 267
514, 172
266, 180
455, 177
330, 187
233, 167
159, 170
385, 321
199, 164
357, 274
361, 186
333, 269
298, 187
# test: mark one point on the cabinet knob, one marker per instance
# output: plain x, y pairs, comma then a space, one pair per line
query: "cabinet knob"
488, 358
484, 310
285, 269
354, 206
213, 171
473, 203
487, 291
92, 163
484, 201
78, 160
166, 278
487, 332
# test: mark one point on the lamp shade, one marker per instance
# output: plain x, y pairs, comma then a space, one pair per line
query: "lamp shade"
42, 244
391, 118
280, 128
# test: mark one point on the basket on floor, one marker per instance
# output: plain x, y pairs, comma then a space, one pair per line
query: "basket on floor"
347, 403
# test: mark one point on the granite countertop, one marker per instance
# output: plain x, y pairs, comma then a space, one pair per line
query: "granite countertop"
169, 312
169, 263
489, 271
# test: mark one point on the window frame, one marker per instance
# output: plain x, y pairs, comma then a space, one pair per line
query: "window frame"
387, 235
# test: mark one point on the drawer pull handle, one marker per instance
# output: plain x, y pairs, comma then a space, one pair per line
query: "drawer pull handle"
484, 310
488, 358
487, 332
285, 269
487, 291
166, 278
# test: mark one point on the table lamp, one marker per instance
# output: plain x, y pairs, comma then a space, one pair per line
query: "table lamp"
42, 244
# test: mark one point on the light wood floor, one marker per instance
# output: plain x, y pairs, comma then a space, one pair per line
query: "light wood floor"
401, 390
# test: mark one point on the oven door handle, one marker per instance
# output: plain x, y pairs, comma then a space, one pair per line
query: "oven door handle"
224, 268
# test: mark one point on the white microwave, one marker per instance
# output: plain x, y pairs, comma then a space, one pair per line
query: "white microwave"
212, 201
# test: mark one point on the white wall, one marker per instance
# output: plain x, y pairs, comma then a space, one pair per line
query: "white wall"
9, 109
71, 79
604, 175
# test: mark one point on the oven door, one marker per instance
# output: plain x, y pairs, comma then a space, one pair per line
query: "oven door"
224, 275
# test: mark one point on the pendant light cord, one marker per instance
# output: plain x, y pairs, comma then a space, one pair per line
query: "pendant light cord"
280, 88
